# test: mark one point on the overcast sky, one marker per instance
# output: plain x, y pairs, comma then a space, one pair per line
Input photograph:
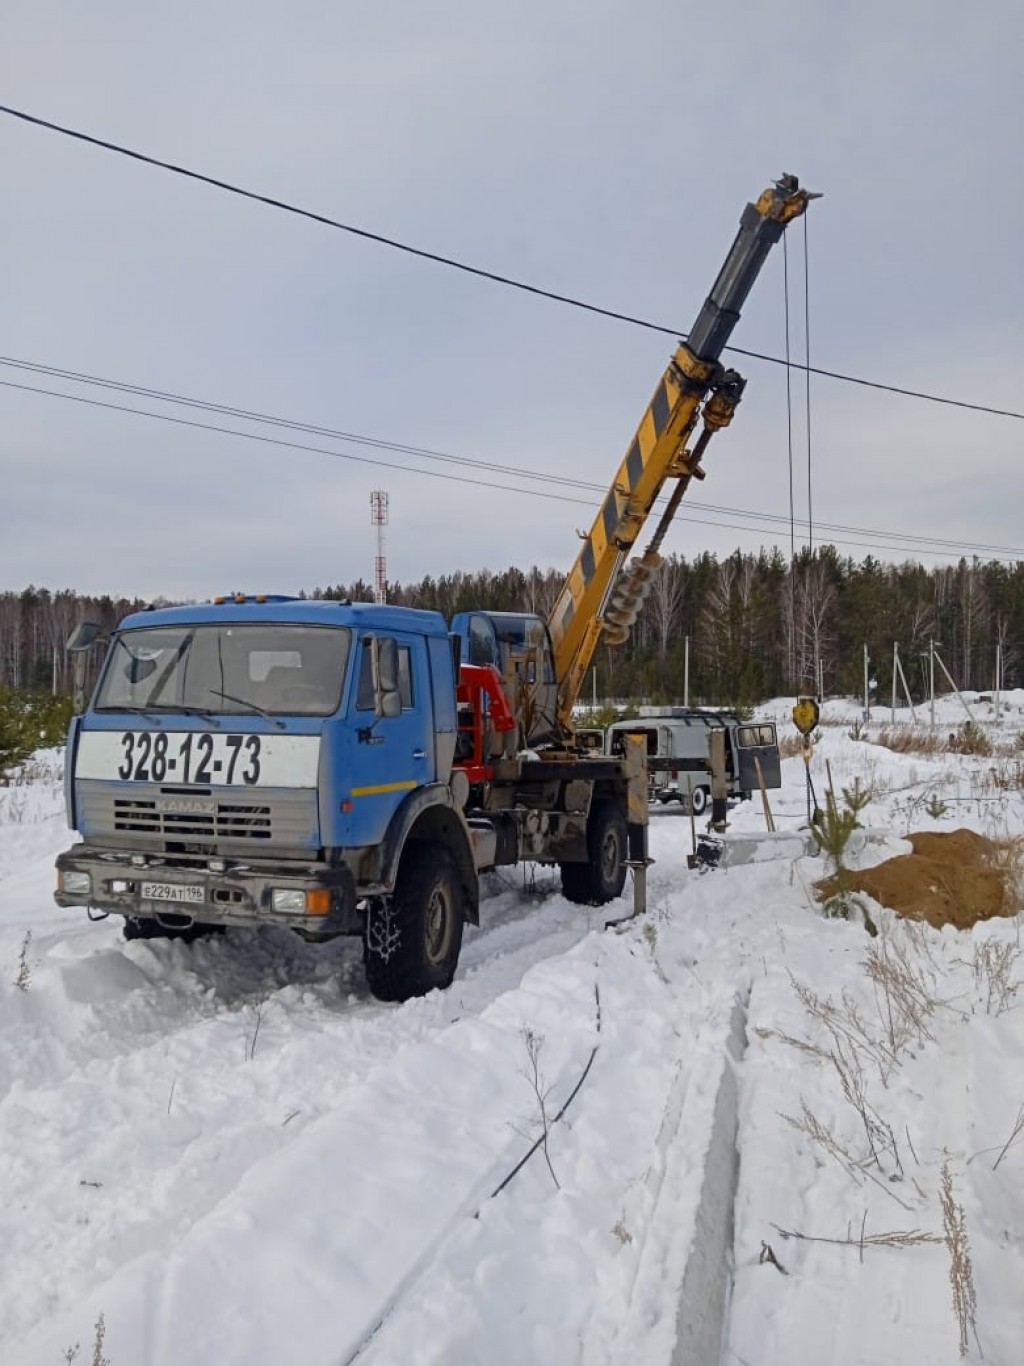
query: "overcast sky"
601, 150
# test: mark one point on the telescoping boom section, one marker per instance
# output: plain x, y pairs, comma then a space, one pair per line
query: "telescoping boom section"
600, 596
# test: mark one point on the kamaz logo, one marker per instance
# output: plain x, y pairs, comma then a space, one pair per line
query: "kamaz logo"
186, 806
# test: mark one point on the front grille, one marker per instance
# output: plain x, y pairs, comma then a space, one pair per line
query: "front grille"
147, 816
227, 821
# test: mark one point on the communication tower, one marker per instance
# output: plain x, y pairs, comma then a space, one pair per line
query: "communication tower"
379, 519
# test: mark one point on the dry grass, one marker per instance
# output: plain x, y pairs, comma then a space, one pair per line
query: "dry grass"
99, 1358
1015, 1133
995, 979
903, 995
879, 1134
910, 740
24, 978
844, 1021
969, 739
534, 1044
961, 1273
790, 746
1006, 857
1007, 776
912, 1237
809, 1124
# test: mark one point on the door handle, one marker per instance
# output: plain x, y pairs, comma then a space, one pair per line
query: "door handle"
419, 754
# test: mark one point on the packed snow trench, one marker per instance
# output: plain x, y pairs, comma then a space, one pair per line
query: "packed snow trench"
771, 1137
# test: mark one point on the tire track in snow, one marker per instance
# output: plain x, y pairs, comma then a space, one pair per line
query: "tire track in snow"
149, 1040
350, 1208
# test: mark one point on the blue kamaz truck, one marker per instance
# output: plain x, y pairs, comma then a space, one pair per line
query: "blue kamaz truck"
335, 767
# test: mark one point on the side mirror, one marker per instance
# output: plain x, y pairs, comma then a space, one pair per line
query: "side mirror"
387, 699
83, 637
391, 705
385, 660
80, 642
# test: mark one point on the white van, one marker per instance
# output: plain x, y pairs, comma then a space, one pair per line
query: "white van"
677, 741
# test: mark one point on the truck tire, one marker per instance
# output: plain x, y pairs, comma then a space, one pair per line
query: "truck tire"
603, 876
699, 798
413, 937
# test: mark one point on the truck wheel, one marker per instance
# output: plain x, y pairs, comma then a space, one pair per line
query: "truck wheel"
699, 798
603, 877
576, 882
413, 938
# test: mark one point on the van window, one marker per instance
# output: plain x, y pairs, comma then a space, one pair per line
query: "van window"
648, 734
748, 736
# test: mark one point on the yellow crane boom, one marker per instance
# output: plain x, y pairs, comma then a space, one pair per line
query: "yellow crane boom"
597, 596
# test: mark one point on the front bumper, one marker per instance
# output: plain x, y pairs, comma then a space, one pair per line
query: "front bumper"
233, 892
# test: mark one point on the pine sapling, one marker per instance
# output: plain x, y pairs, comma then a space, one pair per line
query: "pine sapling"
857, 797
831, 833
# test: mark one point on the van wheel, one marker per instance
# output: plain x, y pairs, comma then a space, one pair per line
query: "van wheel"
699, 798
603, 876
413, 937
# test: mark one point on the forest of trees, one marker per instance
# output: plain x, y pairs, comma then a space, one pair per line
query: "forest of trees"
756, 624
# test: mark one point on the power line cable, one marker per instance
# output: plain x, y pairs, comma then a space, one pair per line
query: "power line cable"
807, 386
789, 395
278, 441
686, 516
478, 271
789, 446
380, 443
290, 424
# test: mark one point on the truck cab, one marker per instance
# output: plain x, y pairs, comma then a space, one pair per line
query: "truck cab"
262, 759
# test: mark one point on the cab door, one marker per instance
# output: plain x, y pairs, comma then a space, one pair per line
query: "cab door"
388, 756
757, 743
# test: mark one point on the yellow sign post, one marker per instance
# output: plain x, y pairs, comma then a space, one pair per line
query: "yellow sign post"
806, 715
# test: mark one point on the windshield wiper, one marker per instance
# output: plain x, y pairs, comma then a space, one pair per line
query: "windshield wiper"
206, 712
245, 702
169, 668
124, 706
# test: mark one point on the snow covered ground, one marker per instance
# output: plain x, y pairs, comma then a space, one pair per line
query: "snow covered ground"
233, 1154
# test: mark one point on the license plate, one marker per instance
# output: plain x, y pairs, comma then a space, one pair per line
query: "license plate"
172, 891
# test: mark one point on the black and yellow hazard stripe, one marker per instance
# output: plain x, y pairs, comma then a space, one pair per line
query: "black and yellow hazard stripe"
660, 439
657, 452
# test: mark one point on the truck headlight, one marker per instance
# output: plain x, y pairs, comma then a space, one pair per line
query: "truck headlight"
76, 884
294, 901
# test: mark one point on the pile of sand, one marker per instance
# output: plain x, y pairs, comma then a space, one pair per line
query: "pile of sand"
955, 878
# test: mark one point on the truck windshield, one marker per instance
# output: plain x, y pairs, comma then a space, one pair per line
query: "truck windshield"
226, 669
